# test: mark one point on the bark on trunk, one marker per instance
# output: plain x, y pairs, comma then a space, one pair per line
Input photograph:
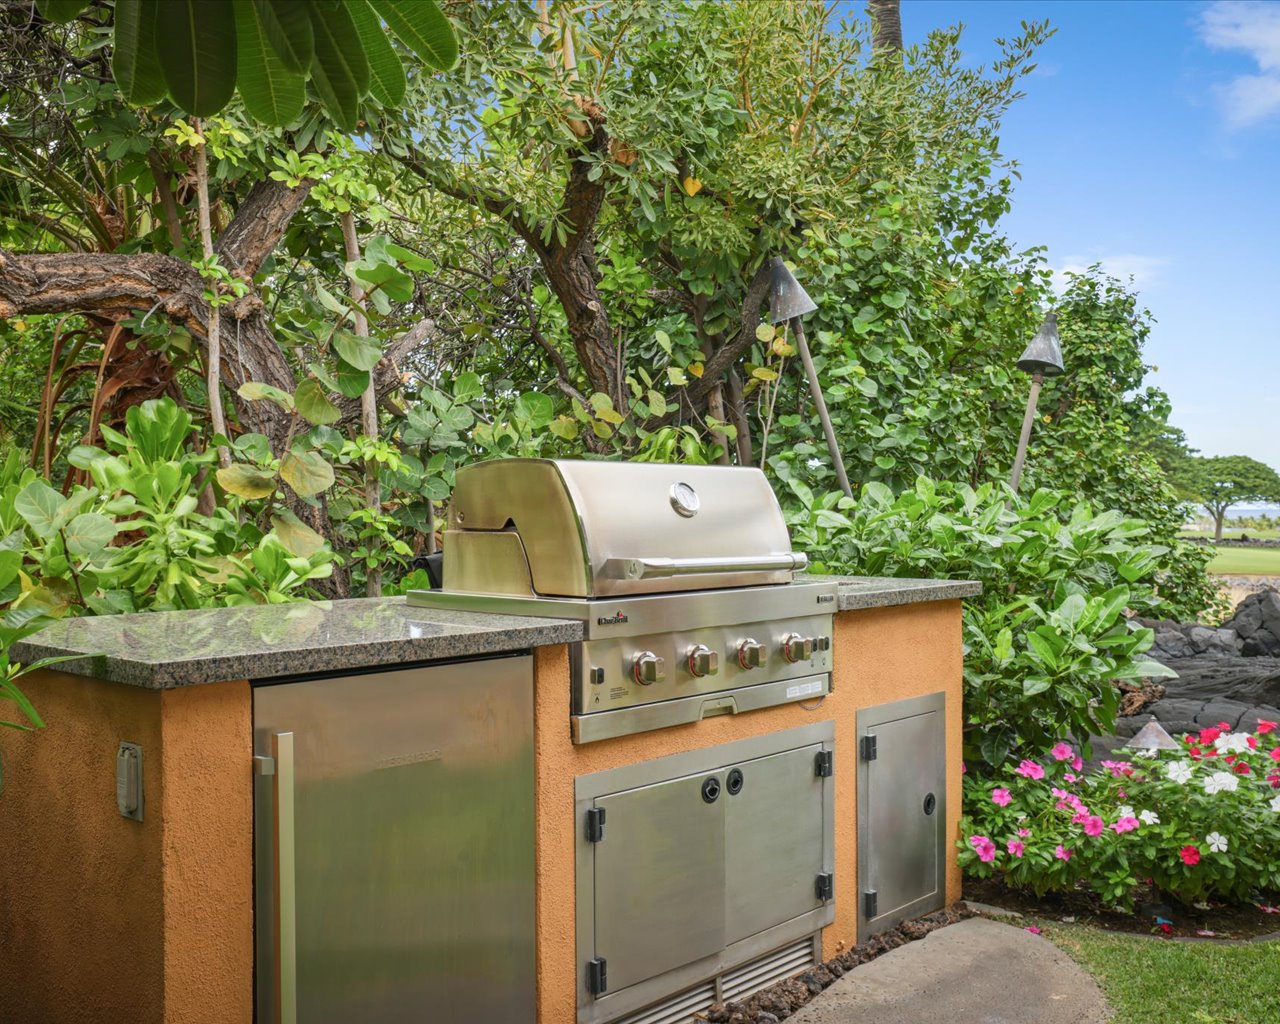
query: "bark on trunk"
886, 26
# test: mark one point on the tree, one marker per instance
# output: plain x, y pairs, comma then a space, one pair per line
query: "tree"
1220, 481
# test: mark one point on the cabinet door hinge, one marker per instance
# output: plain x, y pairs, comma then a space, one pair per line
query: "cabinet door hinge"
595, 824
869, 904
867, 748
825, 886
597, 976
824, 763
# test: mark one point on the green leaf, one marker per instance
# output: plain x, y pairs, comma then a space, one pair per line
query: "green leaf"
657, 403
765, 332
88, 533
288, 28
307, 473
410, 260
134, 60
1035, 684
361, 353
386, 73
350, 381
60, 11
45, 510
246, 481
535, 409
421, 26
314, 404
387, 277
339, 70
254, 391
271, 92
198, 55
10, 563
295, 535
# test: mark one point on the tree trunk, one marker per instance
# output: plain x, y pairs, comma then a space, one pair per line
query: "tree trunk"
213, 373
1219, 514
886, 22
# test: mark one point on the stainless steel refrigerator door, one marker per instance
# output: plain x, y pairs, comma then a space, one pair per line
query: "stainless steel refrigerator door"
411, 794
901, 812
773, 842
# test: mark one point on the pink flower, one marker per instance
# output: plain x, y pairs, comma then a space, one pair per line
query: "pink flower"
1001, 796
1032, 929
1080, 817
1015, 847
1125, 824
964, 769
1241, 768
1275, 754
1093, 826
1190, 855
1031, 770
1210, 734
1062, 752
1251, 742
1061, 853
1024, 832
1118, 768
1265, 727
1077, 763
1071, 776
985, 847
1274, 779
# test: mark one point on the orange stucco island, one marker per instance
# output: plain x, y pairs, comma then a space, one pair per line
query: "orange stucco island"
107, 917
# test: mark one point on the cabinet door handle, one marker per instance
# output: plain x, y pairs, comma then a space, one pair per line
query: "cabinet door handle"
285, 887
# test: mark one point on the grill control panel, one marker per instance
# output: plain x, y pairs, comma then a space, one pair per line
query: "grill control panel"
627, 671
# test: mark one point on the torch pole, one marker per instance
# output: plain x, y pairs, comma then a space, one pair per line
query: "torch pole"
816, 391
1028, 419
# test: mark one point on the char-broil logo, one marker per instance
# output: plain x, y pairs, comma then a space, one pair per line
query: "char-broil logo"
611, 620
826, 598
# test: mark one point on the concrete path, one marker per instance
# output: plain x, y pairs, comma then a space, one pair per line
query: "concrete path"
975, 972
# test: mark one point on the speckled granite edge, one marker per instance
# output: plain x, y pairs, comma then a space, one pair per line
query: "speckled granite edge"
857, 592
166, 650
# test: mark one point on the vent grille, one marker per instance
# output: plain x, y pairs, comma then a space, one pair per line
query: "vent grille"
738, 983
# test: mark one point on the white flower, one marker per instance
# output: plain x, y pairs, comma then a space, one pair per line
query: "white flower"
1179, 772
1275, 803
1232, 743
1219, 781
1217, 842
1149, 818
1125, 812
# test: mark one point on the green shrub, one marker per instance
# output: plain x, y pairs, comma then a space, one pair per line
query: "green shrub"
1199, 823
1049, 635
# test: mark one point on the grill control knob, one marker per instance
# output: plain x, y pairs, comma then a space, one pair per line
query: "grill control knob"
751, 654
648, 668
703, 661
797, 648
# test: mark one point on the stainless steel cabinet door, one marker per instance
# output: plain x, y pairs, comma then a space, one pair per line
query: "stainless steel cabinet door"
773, 842
901, 812
412, 844
659, 878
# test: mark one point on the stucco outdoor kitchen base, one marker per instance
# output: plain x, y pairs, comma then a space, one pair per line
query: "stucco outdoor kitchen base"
103, 918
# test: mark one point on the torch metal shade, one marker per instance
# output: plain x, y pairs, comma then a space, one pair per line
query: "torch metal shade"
787, 299
1152, 736
1044, 354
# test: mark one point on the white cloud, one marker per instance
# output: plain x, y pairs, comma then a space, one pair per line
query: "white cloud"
1142, 269
1254, 29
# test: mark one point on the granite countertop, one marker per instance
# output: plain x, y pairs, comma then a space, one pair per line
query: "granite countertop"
163, 650
885, 591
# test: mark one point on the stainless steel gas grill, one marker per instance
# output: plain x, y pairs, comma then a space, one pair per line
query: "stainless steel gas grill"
682, 576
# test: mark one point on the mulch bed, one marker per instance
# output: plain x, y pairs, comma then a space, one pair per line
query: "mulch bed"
1217, 921
780, 1001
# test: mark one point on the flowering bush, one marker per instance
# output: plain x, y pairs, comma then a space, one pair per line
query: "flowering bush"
1197, 823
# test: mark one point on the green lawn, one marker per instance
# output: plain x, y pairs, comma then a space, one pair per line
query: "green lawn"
1154, 981
1233, 533
1249, 561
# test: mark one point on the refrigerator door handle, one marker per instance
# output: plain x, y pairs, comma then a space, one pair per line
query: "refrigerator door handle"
284, 878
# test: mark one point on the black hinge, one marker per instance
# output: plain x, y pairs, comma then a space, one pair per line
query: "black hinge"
595, 824
869, 904
867, 748
825, 886
824, 764
597, 976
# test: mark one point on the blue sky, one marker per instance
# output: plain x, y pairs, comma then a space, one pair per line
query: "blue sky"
1149, 140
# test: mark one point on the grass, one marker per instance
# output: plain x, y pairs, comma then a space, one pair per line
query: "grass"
1232, 533
1154, 980
1246, 561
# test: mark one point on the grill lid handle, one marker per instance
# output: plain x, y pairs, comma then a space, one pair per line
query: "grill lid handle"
656, 568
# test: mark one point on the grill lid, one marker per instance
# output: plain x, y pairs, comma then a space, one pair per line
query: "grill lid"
560, 528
